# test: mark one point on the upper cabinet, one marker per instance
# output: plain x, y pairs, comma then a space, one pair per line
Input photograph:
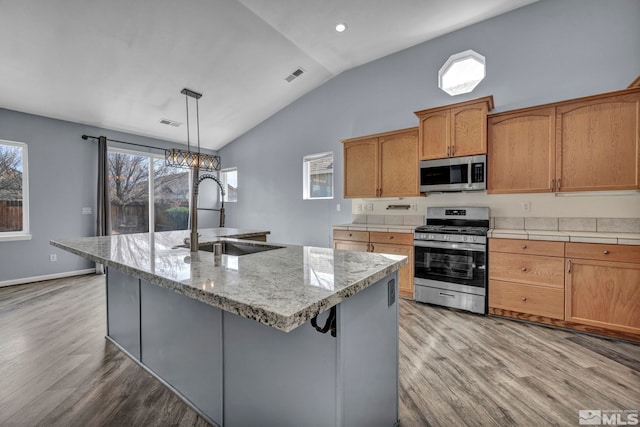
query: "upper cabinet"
521, 151
586, 144
382, 165
454, 130
598, 143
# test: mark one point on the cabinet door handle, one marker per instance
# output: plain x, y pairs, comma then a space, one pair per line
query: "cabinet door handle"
372, 247
524, 269
448, 151
553, 185
381, 192
524, 246
523, 298
390, 237
350, 235
453, 150
569, 266
558, 185
605, 252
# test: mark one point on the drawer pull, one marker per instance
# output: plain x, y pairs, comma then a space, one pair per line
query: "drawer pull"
523, 298
605, 252
524, 269
372, 247
446, 295
390, 237
350, 234
524, 246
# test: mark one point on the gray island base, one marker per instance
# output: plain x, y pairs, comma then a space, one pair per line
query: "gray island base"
239, 370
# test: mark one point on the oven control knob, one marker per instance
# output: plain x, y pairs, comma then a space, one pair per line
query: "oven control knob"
430, 236
464, 238
447, 238
474, 238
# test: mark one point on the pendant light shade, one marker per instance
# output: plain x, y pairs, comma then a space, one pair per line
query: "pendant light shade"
186, 158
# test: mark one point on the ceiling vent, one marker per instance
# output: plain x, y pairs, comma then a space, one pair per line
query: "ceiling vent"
170, 123
297, 73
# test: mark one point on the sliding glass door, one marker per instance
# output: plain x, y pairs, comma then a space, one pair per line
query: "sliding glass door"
145, 194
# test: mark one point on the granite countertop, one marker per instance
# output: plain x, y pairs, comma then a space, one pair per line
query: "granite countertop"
611, 238
281, 288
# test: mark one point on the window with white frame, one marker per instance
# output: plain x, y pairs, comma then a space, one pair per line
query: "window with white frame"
146, 194
317, 176
462, 72
14, 191
229, 180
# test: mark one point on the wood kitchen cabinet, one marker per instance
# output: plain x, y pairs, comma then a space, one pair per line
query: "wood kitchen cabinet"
381, 242
603, 286
588, 287
527, 276
382, 165
454, 130
521, 151
599, 143
586, 144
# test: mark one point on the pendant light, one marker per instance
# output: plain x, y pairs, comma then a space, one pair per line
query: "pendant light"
186, 158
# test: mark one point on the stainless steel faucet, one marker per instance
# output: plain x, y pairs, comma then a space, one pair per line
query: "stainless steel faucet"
196, 180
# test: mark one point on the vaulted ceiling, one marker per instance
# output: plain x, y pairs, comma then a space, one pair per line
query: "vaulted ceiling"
120, 64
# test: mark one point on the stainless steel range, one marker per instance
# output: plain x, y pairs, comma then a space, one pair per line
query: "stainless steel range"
451, 258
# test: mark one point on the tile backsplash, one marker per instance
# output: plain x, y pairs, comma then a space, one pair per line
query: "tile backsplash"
603, 225
388, 219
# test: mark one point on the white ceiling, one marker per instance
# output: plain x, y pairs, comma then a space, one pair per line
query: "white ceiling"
120, 64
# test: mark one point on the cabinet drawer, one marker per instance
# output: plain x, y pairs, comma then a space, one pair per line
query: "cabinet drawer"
531, 299
355, 236
531, 269
621, 253
393, 238
532, 247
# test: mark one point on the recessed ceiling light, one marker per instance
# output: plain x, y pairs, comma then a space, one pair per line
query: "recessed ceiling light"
341, 27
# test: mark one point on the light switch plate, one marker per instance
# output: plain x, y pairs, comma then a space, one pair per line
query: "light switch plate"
86, 211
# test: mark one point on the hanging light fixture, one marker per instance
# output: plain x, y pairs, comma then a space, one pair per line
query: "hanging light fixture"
186, 158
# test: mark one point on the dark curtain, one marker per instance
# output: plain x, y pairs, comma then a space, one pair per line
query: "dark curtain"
103, 211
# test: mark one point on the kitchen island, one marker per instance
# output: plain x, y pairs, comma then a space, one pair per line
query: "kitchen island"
262, 334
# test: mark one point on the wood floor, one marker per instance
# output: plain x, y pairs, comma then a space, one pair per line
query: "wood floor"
456, 369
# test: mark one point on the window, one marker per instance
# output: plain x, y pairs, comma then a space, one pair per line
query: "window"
317, 170
140, 181
229, 180
461, 73
14, 191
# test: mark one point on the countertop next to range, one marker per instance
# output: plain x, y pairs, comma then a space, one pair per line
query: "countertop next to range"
281, 288
567, 236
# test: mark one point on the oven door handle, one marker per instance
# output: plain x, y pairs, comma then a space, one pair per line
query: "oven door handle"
450, 245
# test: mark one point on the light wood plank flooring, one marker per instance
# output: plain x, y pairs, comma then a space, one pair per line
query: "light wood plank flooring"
456, 369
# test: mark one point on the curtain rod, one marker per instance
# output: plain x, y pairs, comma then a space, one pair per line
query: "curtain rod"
86, 137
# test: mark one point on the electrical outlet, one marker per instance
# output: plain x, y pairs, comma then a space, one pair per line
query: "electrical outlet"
53, 257
414, 208
359, 207
526, 206
369, 207
86, 211
338, 207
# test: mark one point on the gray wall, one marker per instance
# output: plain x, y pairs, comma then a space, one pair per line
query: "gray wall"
62, 180
548, 51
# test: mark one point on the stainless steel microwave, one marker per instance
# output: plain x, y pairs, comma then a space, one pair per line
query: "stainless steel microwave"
453, 174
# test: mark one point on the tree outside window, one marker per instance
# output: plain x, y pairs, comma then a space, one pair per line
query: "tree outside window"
14, 212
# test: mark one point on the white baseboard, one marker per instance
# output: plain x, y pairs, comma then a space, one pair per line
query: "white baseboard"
47, 277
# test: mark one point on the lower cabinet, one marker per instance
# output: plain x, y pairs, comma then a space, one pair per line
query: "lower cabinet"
585, 286
601, 293
381, 242
536, 300
522, 281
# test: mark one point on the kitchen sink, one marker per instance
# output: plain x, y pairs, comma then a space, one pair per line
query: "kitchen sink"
240, 248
